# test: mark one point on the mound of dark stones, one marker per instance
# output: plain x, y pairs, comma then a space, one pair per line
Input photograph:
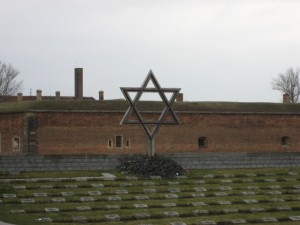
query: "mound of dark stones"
157, 165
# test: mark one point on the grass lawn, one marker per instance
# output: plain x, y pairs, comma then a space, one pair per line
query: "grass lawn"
239, 196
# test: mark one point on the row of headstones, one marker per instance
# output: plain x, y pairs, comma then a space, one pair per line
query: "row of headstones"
226, 188
110, 178
170, 214
166, 205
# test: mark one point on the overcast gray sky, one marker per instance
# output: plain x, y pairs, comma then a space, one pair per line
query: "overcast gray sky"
214, 50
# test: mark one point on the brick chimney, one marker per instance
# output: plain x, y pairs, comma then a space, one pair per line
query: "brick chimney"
79, 83
57, 95
101, 95
39, 95
179, 97
286, 99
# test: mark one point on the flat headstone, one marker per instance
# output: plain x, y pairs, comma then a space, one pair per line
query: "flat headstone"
181, 177
174, 190
44, 220
293, 173
251, 175
81, 179
269, 219
97, 185
121, 192
9, 195
94, 193
270, 180
141, 216
199, 182
200, 212
50, 210
227, 175
1, 201
79, 219
226, 181
110, 207
294, 218
40, 195
46, 186
141, 197
149, 183
170, 196
198, 203
257, 210
166, 205
150, 190
17, 211
71, 186
173, 183
57, 200
114, 198
248, 193
283, 208
108, 176
198, 195
200, 189
67, 193
87, 199
289, 179
155, 177
208, 176
208, 222
126, 184
140, 206
112, 217
225, 188
252, 188
238, 221
296, 186
227, 211
171, 214
274, 193
131, 178
277, 200
247, 180
28, 201
220, 194
177, 223
250, 201
270, 174
224, 202
20, 187
83, 208
275, 187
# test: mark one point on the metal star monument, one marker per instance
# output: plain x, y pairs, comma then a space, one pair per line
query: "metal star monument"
167, 116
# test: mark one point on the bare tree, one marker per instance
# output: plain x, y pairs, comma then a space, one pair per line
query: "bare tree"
8, 83
288, 83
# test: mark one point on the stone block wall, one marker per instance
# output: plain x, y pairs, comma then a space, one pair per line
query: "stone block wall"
109, 162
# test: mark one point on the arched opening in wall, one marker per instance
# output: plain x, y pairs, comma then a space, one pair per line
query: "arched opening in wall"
16, 144
202, 142
285, 140
119, 141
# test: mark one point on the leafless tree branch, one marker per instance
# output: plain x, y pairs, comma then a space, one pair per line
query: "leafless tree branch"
8, 83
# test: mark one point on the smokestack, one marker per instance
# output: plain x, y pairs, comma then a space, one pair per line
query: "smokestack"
79, 83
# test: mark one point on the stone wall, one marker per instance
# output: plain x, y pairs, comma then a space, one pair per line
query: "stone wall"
108, 162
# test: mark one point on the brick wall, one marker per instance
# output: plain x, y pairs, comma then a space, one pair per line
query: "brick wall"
84, 133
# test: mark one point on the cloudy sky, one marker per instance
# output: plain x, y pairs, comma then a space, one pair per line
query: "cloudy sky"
214, 50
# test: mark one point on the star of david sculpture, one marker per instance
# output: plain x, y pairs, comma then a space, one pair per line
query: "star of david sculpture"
150, 126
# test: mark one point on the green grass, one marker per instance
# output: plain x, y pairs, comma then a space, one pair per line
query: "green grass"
183, 204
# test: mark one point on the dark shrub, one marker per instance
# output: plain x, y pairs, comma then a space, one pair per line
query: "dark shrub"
145, 166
